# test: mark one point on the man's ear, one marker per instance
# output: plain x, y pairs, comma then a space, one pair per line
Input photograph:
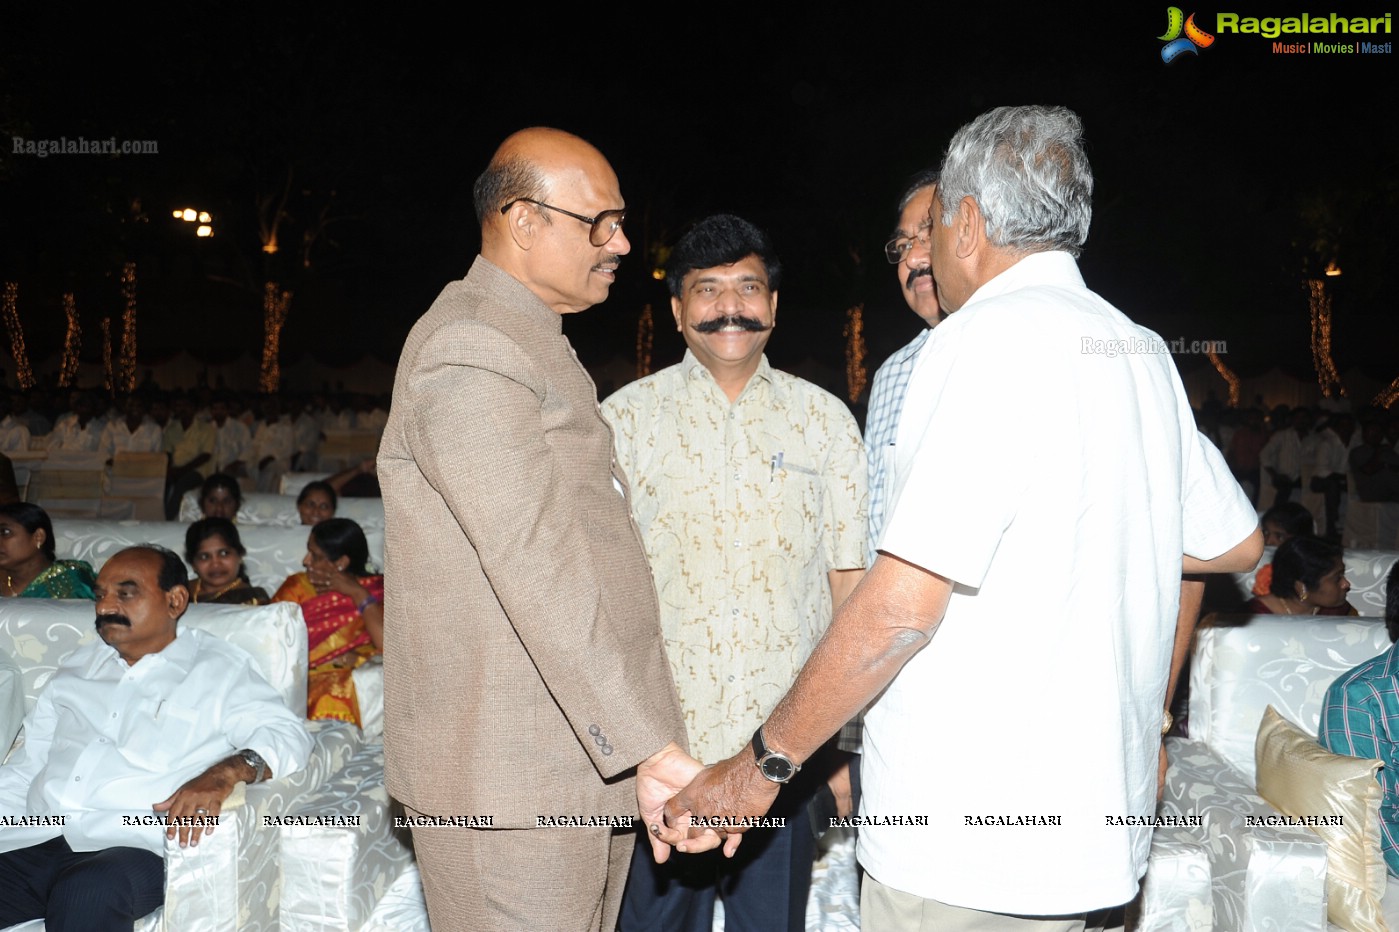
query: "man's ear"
675, 309
969, 227
521, 222
177, 599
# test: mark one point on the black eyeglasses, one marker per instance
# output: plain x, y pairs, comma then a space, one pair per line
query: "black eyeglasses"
897, 248
603, 227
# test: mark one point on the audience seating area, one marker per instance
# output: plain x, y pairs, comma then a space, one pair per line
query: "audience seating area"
274, 551
1232, 871
265, 508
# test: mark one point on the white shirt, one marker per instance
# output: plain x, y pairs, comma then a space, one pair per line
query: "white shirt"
67, 435
1041, 693
274, 439
107, 740
1331, 456
231, 443
1283, 452
11, 703
306, 433
118, 438
14, 435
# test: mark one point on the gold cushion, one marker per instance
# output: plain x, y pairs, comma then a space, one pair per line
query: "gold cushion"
1301, 778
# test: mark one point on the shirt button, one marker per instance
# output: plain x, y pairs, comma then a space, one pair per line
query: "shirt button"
600, 741
735, 613
594, 730
77, 779
607, 750
731, 679
114, 715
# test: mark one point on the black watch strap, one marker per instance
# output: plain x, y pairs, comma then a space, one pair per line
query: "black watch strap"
774, 765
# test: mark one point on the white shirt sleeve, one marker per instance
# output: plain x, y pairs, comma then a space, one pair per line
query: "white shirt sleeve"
1217, 514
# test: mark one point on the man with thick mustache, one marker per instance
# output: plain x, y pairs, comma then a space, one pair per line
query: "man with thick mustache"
749, 488
154, 720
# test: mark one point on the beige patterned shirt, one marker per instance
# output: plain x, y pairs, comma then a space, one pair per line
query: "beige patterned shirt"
743, 508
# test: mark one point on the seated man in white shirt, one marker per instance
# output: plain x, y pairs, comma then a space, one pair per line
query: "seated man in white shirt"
79, 429
131, 433
154, 721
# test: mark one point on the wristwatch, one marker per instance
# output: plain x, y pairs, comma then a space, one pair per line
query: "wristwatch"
254, 760
774, 765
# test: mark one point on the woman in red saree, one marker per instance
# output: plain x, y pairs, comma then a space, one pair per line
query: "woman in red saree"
343, 604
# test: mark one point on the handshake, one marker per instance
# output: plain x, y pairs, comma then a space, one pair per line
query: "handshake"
673, 790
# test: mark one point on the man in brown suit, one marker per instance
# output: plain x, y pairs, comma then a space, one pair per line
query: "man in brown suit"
524, 675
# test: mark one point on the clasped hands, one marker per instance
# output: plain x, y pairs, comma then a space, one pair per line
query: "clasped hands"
673, 790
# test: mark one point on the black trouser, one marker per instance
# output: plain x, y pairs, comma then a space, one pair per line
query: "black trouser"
83, 891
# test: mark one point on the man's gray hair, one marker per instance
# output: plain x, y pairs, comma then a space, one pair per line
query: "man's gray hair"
1027, 171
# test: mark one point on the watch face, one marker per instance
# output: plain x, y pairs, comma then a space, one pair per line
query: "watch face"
777, 769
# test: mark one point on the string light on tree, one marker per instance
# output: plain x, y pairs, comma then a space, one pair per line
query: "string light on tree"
1228, 375
855, 373
126, 372
645, 336
275, 306
1390, 395
1326, 375
23, 373
107, 380
72, 342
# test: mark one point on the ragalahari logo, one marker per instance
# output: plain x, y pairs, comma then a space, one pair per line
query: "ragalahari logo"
1177, 44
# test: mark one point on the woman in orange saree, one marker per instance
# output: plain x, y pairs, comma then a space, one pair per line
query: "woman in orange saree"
343, 605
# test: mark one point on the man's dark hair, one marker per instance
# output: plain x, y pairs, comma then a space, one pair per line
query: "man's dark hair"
917, 182
505, 181
722, 239
172, 568
1293, 517
1302, 560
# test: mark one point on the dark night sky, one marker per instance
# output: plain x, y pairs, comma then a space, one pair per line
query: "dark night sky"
1219, 177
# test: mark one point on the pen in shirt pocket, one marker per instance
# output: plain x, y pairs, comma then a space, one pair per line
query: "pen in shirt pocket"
776, 465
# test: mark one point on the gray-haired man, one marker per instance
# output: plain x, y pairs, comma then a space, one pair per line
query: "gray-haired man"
1050, 590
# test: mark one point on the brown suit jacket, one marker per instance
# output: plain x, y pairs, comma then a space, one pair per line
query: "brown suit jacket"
524, 672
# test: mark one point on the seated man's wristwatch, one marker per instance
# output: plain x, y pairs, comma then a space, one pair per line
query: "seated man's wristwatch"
254, 760
774, 765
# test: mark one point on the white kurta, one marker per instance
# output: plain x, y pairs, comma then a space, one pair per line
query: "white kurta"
1054, 472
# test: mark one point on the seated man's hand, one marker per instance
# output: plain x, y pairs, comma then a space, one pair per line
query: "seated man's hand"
200, 798
732, 788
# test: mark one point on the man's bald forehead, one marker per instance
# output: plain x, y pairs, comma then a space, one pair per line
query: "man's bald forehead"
133, 563
546, 147
532, 164
150, 563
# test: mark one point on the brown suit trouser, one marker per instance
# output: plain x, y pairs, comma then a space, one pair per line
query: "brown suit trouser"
511, 880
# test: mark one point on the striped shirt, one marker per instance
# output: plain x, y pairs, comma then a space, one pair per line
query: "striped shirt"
881, 427
1360, 718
